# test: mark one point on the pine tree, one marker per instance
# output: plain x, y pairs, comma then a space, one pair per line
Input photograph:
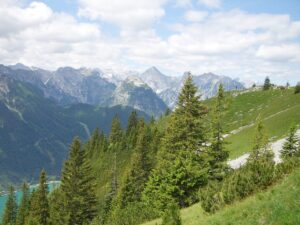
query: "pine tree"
39, 205
24, 206
116, 131
182, 162
112, 193
132, 122
93, 144
218, 154
57, 208
267, 84
139, 170
10, 212
290, 148
132, 130
77, 186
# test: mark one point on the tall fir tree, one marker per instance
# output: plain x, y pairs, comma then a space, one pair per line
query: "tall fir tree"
182, 162
132, 130
39, 205
217, 152
93, 145
290, 147
10, 212
24, 205
115, 131
78, 187
139, 170
267, 84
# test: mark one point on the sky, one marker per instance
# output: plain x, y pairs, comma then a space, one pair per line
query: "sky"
243, 39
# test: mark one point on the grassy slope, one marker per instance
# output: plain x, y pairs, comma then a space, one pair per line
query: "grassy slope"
279, 110
278, 205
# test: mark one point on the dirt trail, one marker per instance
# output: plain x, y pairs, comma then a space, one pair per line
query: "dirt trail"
275, 146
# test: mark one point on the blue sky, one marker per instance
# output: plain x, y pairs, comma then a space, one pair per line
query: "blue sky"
247, 40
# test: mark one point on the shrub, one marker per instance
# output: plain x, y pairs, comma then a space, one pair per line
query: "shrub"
211, 197
171, 215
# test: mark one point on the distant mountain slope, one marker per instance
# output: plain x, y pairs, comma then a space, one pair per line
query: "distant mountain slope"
135, 93
168, 87
35, 132
105, 88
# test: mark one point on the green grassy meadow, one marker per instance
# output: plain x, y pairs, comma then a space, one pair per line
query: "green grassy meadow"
278, 205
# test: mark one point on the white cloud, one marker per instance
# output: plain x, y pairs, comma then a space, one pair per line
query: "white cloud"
195, 16
231, 42
14, 18
210, 3
285, 52
127, 14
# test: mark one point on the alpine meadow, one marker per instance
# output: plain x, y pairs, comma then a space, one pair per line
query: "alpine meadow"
93, 133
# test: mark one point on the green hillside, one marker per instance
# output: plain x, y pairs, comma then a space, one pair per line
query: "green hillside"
280, 204
276, 102
279, 109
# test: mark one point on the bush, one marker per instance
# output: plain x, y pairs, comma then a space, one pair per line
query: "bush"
211, 197
171, 215
133, 213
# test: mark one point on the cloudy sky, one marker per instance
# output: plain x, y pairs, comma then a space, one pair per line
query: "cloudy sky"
242, 39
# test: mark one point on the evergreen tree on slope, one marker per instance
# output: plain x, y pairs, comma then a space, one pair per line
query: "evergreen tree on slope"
24, 206
182, 162
138, 173
290, 148
39, 205
260, 161
217, 152
78, 187
10, 212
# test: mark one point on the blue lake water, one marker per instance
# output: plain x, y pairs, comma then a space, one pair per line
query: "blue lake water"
3, 198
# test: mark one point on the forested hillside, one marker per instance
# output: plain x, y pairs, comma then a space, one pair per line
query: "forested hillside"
153, 169
35, 132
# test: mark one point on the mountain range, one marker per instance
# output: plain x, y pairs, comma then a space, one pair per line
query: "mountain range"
41, 110
151, 91
35, 131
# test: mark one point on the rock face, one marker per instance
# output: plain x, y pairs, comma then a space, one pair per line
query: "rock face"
168, 87
135, 93
150, 91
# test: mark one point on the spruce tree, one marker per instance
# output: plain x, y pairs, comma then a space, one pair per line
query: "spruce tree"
10, 212
77, 186
139, 170
115, 135
24, 206
218, 154
132, 130
290, 148
182, 162
39, 205
93, 144
132, 122
260, 161
267, 84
